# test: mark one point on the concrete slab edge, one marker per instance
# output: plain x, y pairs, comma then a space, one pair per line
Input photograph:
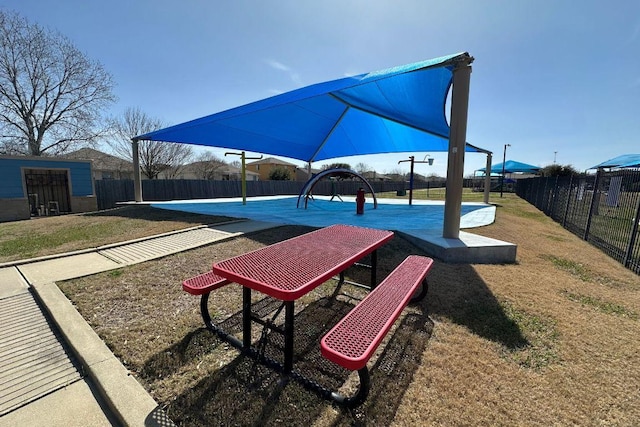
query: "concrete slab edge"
129, 401
477, 250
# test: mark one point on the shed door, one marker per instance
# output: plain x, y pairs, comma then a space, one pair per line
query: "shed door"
45, 186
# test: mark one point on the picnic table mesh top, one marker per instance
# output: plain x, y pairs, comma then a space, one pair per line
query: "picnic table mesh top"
285, 268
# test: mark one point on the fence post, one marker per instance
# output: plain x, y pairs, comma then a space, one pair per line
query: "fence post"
632, 238
554, 195
566, 208
594, 201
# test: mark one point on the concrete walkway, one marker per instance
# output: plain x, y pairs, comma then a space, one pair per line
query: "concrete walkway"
54, 369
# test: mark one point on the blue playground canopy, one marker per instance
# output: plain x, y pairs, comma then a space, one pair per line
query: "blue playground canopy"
401, 109
624, 161
511, 166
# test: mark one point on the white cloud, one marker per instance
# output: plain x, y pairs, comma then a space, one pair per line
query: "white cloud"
293, 75
277, 65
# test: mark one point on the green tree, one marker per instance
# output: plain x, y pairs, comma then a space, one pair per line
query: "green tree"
336, 166
558, 170
280, 174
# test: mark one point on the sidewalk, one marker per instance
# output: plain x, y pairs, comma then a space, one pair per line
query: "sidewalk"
54, 369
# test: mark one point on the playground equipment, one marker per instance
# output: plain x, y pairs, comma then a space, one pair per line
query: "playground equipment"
413, 161
308, 187
244, 172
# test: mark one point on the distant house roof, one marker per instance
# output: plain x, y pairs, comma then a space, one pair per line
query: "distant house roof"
373, 175
623, 161
101, 160
232, 170
195, 169
272, 161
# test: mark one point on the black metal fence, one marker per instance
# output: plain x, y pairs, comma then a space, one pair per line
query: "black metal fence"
603, 209
110, 192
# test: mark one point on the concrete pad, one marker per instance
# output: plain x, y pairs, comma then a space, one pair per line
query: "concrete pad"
11, 282
66, 268
468, 249
157, 247
73, 406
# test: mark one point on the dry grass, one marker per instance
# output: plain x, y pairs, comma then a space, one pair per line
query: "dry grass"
55, 234
550, 340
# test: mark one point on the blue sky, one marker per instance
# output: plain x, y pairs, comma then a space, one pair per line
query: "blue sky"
555, 79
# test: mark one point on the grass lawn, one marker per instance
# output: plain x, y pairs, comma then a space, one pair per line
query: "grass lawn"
549, 340
56, 234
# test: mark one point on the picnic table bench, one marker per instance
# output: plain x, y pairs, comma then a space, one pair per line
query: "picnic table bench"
355, 338
202, 285
290, 269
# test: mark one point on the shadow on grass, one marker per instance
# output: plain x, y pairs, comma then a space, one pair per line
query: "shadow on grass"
147, 212
456, 291
244, 392
460, 295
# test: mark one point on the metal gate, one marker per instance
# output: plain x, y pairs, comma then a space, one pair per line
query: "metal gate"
48, 191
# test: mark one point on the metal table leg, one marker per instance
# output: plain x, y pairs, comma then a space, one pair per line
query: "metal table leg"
374, 268
288, 337
246, 318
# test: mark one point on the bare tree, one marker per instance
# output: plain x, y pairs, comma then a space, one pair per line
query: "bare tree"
362, 168
155, 157
51, 95
208, 166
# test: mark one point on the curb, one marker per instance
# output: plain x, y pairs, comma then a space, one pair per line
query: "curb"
129, 402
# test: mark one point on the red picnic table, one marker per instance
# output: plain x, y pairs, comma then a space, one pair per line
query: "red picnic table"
290, 269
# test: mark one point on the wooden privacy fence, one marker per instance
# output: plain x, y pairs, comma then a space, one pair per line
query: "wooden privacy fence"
110, 192
603, 209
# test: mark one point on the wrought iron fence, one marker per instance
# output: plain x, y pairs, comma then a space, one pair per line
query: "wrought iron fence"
603, 209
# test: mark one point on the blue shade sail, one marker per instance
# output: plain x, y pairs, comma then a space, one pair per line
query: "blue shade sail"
623, 161
401, 109
511, 166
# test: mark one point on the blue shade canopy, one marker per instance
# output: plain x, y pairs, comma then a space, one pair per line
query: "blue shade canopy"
401, 109
624, 161
511, 166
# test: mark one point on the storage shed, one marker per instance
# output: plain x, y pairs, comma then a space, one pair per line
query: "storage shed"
41, 186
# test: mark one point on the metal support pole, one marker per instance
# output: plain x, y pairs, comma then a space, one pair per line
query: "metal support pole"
413, 161
137, 180
243, 173
504, 159
411, 181
487, 178
457, 143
